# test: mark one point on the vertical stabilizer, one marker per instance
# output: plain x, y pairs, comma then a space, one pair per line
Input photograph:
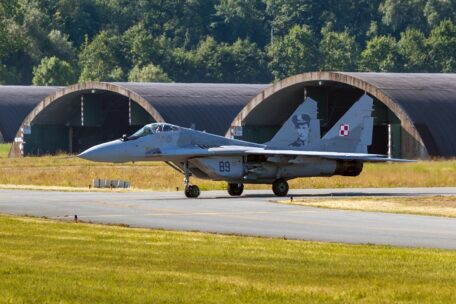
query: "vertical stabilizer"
301, 131
353, 132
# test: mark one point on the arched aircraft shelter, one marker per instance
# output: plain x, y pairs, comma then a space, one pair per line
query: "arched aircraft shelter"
415, 114
82, 115
16, 102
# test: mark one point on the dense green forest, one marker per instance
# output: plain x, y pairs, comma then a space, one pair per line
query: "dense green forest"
59, 42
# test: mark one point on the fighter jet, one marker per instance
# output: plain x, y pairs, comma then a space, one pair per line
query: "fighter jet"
296, 150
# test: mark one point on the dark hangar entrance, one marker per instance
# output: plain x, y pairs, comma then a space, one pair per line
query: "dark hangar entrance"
333, 99
80, 120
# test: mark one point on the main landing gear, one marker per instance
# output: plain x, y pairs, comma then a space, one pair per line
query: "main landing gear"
191, 191
235, 189
280, 187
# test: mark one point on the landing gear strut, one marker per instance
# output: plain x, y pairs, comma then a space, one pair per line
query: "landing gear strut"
235, 189
280, 187
191, 191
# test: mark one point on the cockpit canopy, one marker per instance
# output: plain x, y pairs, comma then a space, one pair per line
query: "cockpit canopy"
153, 129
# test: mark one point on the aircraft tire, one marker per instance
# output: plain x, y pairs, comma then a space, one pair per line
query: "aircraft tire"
235, 189
280, 187
192, 191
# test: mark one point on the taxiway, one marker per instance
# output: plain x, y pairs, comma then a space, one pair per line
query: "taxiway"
256, 213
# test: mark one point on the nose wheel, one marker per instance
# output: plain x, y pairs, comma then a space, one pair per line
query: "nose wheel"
191, 191
280, 187
235, 189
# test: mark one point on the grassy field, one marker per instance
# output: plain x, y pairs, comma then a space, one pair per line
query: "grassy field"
4, 150
44, 261
73, 172
427, 205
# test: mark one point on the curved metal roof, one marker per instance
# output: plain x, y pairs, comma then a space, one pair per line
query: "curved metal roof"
425, 103
15, 103
207, 106
430, 102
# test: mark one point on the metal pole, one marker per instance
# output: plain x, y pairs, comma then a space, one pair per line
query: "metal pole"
82, 110
129, 111
70, 140
390, 142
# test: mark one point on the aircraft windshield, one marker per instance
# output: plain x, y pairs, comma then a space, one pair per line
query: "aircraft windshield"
154, 128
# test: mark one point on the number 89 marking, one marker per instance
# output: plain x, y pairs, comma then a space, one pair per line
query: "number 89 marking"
224, 166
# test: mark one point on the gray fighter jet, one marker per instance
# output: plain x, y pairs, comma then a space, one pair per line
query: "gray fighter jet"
296, 150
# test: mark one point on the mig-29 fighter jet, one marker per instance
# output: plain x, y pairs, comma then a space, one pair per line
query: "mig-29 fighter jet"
296, 150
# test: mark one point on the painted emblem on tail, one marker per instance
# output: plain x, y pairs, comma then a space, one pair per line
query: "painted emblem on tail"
344, 130
302, 125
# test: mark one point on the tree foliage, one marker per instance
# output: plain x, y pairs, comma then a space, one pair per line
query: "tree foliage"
240, 19
53, 71
294, 53
239, 62
381, 55
148, 73
442, 47
400, 14
338, 51
224, 40
98, 60
414, 51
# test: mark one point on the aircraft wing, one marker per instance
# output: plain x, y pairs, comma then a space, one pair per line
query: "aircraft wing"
273, 154
327, 155
241, 150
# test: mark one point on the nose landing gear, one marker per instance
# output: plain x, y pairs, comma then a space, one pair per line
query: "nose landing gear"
191, 191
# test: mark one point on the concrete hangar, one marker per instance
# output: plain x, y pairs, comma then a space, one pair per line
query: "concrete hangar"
415, 114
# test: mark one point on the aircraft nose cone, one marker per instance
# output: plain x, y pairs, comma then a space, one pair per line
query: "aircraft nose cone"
107, 152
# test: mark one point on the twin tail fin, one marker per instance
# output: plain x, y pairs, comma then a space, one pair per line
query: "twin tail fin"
351, 133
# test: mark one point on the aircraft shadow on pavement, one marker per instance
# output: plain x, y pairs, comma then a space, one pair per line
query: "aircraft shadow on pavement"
299, 195
323, 195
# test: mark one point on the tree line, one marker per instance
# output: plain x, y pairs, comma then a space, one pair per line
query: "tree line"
59, 42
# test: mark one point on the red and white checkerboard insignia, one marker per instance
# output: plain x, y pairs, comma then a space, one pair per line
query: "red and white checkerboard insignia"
344, 130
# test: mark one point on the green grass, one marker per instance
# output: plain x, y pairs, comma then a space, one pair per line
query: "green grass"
65, 171
4, 150
44, 261
424, 205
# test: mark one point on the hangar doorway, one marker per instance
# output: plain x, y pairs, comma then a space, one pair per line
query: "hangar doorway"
80, 120
333, 99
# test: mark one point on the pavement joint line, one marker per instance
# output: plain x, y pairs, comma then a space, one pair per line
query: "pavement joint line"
176, 211
220, 213
86, 216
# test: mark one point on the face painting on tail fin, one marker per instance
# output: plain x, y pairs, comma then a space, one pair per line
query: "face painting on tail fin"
301, 131
352, 132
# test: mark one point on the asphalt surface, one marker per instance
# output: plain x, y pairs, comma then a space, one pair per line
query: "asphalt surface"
255, 213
